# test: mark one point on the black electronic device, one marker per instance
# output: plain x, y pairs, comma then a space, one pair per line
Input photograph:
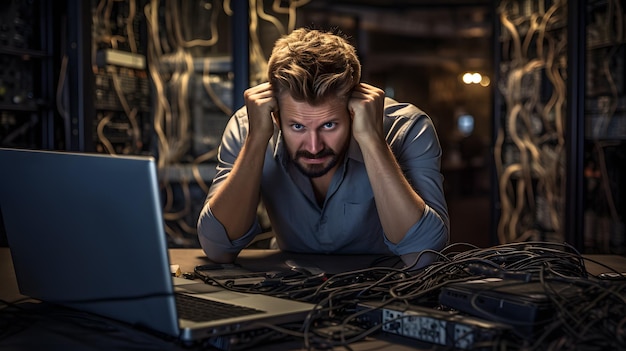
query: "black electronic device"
233, 274
430, 325
524, 305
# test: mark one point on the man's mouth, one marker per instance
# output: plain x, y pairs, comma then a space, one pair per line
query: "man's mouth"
315, 160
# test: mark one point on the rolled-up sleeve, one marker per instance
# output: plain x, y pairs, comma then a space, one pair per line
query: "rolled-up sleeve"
213, 238
211, 233
415, 144
430, 232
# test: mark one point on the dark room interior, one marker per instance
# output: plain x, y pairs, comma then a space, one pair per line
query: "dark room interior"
528, 99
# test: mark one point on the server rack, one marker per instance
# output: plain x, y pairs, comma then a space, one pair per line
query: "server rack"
559, 113
28, 116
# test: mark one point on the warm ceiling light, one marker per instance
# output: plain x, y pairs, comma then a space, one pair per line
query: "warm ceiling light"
467, 78
475, 78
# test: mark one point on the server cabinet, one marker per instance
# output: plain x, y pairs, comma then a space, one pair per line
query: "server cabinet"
28, 116
559, 112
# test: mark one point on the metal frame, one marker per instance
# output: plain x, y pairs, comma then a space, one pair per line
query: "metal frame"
80, 77
575, 128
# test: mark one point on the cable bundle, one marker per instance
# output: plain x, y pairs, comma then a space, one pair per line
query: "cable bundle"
593, 319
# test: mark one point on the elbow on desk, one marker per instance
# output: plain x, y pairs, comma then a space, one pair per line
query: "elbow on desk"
216, 254
215, 247
221, 257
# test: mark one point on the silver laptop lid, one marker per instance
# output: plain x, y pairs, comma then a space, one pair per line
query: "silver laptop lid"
86, 230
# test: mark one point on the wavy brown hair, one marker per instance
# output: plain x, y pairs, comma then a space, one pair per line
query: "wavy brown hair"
313, 66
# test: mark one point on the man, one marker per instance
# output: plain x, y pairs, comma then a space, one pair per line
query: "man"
339, 167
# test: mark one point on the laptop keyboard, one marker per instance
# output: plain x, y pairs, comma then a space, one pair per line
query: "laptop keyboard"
202, 310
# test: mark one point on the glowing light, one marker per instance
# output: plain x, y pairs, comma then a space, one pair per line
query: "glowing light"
485, 81
475, 78
467, 78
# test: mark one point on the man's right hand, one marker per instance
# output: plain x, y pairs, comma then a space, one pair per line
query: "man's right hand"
235, 201
261, 103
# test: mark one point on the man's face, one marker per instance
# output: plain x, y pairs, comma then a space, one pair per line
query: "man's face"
316, 137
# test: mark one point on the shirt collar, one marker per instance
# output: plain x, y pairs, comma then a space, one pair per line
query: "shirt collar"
280, 153
354, 150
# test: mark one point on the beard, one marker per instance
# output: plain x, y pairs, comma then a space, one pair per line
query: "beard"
316, 170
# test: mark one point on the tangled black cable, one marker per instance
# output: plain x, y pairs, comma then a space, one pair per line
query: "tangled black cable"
592, 318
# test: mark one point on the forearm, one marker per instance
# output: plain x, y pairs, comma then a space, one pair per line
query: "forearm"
399, 206
235, 203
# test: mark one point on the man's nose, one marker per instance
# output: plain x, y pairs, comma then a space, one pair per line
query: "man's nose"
314, 143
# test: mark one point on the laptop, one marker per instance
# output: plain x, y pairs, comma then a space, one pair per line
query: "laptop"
86, 231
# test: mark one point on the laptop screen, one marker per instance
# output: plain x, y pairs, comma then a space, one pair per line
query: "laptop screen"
86, 230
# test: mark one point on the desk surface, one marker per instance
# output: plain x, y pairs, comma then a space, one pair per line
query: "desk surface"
271, 259
187, 259
263, 260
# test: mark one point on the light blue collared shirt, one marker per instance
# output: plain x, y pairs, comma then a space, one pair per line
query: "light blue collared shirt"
348, 221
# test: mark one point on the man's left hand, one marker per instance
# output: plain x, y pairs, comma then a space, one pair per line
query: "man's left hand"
366, 109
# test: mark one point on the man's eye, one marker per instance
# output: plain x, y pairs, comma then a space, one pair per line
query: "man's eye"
329, 125
297, 126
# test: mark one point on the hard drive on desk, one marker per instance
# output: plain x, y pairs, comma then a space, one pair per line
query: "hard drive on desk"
525, 305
